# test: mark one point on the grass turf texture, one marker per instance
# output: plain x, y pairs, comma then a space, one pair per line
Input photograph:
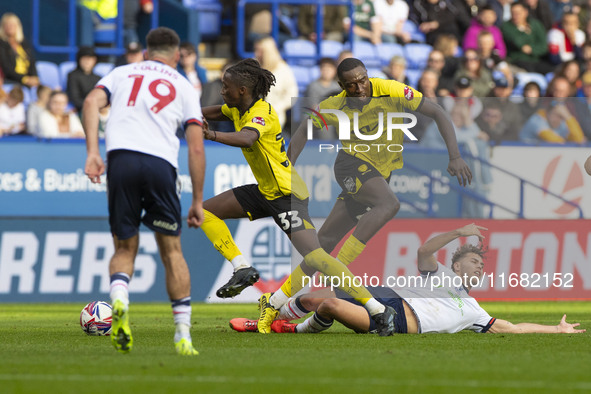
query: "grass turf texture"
43, 350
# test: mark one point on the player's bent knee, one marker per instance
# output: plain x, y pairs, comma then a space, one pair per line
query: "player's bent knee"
328, 307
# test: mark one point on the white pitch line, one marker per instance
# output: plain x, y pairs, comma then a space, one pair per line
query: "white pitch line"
518, 384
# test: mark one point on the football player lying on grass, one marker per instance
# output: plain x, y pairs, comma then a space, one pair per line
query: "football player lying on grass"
438, 306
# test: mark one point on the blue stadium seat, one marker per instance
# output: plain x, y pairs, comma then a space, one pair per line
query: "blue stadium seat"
331, 49
303, 77
417, 54
413, 77
367, 53
65, 69
387, 51
299, 52
314, 73
549, 77
102, 69
524, 78
415, 34
210, 17
49, 74
376, 73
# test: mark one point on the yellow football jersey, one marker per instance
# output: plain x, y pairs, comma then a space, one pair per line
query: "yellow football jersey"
267, 157
386, 96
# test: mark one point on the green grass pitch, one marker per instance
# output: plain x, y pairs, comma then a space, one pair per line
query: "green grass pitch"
43, 350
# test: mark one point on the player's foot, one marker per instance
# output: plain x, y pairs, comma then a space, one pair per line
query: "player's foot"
385, 322
267, 314
184, 347
283, 327
239, 281
241, 324
121, 333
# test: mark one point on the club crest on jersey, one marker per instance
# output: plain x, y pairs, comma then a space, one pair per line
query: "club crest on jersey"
259, 120
408, 94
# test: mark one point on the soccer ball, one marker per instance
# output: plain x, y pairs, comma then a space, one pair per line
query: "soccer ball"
95, 318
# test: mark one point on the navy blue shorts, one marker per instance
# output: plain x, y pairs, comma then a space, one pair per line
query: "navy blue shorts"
385, 296
290, 213
139, 182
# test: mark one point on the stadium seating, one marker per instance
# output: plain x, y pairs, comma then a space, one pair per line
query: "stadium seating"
413, 77
367, 53
65, 68
49, 74
525, 78
210, 17
102, 69
415, 34
417, 54
376, 73
331, 49
299, 52
387, 51
303, 77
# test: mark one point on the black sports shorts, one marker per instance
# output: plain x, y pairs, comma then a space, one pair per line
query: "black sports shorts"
290, 213
138, 181
386, 296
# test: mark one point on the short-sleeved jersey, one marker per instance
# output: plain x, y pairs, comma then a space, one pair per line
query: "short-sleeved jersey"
387, 96
267, 157
149, 102
444, 308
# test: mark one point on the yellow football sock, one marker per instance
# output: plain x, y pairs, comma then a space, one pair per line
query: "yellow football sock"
331, 267
350, 250
293, 283
219, 234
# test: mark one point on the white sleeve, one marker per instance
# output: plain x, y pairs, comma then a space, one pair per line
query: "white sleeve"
483, 322
106, 83
191, 107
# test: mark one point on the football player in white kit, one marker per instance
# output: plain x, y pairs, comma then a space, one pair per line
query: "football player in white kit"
438, 306
149, 101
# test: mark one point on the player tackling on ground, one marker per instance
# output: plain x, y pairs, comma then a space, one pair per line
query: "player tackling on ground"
149, 101
436, 307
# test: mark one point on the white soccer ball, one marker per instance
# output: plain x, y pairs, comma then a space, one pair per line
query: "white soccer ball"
95, 318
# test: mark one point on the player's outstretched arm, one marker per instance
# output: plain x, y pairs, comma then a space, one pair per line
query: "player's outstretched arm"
94, 101
457, 166
244, 138
194, 136
505, 327
297, 143
426, 259
213, 112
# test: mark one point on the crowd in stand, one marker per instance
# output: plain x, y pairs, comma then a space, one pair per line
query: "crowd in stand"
480, 48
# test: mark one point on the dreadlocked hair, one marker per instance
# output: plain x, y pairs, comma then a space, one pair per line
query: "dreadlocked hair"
249, 73
463, 250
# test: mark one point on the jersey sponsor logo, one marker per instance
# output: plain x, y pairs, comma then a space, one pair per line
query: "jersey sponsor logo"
166, 226
408, 93
363, 169
258, 120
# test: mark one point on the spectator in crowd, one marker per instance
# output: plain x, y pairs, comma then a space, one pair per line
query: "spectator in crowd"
12, 113
586, 56
490, 58
259, 20
555, 124
436, 17
17, 60
396, 69
485, 22
586, 89
463, 92
189, 67
560, 89
532, 100
366, 24
82, 79
449, 46
570, 70
393, 14
345, 54
131, 12
437, 62
326, 85
561, 7
540, 9
480, 76
427, 84
332, 26
134, 53
55, 122
491, 122
525, 38
36, 109
504, 6
502, 93
565, 40
285, 87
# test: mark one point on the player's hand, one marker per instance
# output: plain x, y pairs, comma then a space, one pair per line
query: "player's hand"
94, 168
196, 215
567, 328
207, 133
458, 168
472, 229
